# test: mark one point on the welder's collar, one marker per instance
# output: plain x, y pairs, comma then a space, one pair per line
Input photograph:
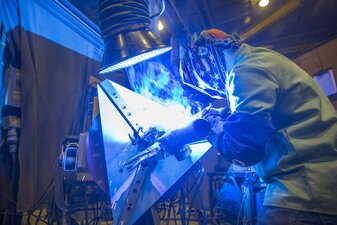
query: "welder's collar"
234, 56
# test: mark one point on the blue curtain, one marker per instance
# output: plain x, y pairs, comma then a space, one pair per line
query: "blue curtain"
56, 53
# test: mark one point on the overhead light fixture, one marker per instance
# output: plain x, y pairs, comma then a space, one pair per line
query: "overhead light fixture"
263, 3
160, 25
247, 20
128, 38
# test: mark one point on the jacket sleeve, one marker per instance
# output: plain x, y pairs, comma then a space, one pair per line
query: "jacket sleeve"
252, 95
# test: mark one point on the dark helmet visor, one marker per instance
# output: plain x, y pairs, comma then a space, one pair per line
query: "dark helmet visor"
203, 68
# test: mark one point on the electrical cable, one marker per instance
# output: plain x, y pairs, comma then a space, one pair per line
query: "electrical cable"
200, 177
98, 215
42, 196
227, 207
185, 191
59, 191
244, 197
30, 211
38, 217
41, 199
93, 212
161, 11
51, 208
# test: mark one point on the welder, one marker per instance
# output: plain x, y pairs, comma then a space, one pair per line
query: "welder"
277, 120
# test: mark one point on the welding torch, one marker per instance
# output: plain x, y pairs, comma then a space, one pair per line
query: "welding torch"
173, 142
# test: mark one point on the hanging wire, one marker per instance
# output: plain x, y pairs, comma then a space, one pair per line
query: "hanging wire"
163, 6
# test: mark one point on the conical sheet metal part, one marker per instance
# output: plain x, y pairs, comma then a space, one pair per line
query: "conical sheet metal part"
122, 112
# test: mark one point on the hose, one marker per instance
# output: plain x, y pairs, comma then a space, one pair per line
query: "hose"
116, 16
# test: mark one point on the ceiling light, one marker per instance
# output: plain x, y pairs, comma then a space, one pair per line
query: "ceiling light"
247, 20
263, 3
160, 25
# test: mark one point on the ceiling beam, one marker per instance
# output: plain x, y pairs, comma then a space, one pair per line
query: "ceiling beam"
291, 37
208, 13
232, 19
298, 48
274, 17
180, 18
200, 17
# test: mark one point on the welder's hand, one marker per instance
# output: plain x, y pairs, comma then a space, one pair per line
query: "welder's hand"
216, 119
216, 123
209, 113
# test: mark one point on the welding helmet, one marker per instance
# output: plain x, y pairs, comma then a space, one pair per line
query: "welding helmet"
203, 66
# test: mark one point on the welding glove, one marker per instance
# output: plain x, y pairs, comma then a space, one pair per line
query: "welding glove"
216, 112
216, 119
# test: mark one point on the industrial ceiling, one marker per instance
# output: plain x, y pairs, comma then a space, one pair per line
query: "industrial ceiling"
291, 27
